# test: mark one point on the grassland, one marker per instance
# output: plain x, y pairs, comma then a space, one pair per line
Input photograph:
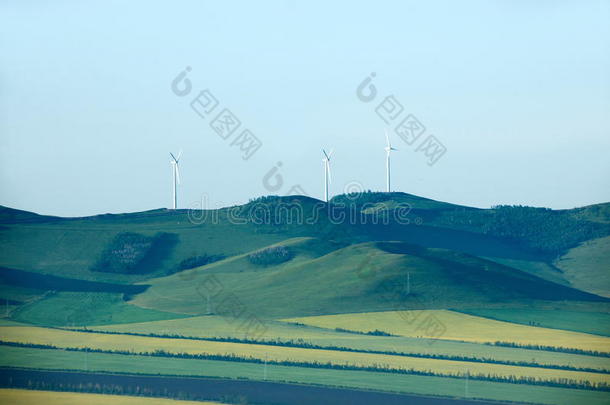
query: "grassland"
597, 323
85, 308
586, 266
68, 339
20, 294
69, 248
362, 277
457, 326
61, 360
535, 267
27, 397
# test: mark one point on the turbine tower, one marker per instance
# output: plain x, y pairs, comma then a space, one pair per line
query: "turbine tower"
388, 149
326, 162
176, 177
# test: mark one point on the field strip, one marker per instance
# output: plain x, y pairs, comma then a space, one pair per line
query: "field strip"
69, 339
581, 365
26, 358
456, 326
27, 397
216, 327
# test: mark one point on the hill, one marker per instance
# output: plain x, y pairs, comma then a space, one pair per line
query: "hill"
367, 276
455, 256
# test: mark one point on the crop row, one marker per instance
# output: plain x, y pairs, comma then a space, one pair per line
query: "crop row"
513, 379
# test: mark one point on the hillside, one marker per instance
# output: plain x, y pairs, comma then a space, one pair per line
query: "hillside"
455, 256
367, 276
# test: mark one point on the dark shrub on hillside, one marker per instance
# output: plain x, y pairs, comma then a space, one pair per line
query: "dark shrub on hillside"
367, 197
271, 256
542, 229
197, 261
130, 253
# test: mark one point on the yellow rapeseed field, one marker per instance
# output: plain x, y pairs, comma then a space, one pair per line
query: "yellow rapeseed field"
27, 397
64, 338
444, 324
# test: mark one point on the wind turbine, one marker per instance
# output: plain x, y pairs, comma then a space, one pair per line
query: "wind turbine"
388, 149
326, 162
176, 177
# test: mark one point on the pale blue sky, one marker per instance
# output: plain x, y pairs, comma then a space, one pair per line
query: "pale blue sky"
517, 91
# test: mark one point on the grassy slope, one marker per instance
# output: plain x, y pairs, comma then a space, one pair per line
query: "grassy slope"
20, 294
69, 247
85, 308
578, 321
362, 277
26, 397
57, 359
537, 268
587, 266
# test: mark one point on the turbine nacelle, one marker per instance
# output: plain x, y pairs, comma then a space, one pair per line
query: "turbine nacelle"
389, 146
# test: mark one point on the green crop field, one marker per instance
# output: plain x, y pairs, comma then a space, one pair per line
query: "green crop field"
451, 387
69, 339
218, 327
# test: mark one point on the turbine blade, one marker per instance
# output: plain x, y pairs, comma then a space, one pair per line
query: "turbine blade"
330, 153
179, 155
177, 174
323, 151
328, 171
173, 157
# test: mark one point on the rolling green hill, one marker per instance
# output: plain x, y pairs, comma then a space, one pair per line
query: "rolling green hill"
350, 255
361, 277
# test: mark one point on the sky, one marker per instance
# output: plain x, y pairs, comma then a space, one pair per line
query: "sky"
516, 94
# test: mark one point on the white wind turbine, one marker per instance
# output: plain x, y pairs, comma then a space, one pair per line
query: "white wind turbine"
326, 162
388, 149
176, 177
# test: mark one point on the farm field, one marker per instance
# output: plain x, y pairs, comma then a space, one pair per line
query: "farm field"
457, 326
451, 387
70, 339
218, 327
28, 397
